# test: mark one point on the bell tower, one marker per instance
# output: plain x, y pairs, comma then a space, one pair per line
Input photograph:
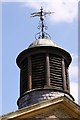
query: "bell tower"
43, 69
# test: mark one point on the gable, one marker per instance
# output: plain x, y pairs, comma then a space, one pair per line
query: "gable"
58, 112
61, 107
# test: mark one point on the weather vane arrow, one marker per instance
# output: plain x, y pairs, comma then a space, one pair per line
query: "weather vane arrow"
41, 14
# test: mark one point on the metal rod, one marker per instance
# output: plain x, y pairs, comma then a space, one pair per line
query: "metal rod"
63, 74
29, 74
41, 14
47, 70
68, 84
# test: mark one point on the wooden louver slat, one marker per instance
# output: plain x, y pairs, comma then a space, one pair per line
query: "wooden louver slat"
24, 78
56, 71
38, 71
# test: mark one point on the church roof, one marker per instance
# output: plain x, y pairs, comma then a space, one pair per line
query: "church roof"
43, 42
61, 107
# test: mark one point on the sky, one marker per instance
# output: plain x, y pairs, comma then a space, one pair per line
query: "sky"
18, 31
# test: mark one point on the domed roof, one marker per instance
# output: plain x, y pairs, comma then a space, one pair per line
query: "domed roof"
43, 42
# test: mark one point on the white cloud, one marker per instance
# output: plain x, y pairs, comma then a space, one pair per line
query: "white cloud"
73, 69
74, 56
74, 90
73, 73
65, 11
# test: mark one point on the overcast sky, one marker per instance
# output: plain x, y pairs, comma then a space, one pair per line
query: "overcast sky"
18, 32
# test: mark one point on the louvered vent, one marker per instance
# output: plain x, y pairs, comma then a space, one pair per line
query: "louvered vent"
24, 76
38, 71
67, 77
56, 72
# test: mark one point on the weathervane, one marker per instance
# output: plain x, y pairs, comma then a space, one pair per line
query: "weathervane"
42, 34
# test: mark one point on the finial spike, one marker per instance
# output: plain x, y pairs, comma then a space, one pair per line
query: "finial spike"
41, 14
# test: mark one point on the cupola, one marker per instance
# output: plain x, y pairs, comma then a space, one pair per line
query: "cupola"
43, 70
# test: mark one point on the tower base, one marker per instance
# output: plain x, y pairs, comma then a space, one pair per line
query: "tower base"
39, 95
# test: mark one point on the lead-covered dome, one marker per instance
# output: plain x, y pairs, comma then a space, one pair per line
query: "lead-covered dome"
43, 42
